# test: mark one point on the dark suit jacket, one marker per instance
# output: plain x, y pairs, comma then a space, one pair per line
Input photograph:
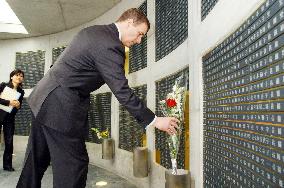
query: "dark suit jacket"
94, 57
3, 114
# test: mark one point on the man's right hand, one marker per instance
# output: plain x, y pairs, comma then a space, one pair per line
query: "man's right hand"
167, 124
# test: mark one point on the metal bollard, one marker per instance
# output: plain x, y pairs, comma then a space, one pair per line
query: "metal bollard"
108, 149
181, 180
140, 162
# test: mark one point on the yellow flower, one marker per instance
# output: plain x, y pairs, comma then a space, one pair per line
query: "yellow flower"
103, 134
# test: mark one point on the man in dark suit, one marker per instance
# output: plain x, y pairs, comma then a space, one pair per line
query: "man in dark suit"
60, 101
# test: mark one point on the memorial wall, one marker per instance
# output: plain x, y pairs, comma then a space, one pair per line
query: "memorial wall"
244, 103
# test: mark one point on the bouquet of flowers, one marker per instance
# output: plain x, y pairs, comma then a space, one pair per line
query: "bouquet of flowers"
101, 134
173, 106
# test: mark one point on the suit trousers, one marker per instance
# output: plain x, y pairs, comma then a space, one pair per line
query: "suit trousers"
8, 130
67, 154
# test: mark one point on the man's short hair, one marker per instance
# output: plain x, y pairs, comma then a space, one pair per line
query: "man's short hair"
137, 15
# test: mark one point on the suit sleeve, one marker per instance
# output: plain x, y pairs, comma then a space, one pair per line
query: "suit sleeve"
3, 101
111, 67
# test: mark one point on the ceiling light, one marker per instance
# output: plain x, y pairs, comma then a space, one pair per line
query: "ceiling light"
9, 22
101, 183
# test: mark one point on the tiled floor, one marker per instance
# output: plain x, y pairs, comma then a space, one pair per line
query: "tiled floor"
95, 174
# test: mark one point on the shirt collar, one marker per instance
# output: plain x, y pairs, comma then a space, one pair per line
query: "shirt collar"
119, 33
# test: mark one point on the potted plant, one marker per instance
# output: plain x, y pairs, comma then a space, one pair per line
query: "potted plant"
107, 143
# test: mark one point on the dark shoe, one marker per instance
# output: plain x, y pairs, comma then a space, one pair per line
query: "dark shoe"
10, 169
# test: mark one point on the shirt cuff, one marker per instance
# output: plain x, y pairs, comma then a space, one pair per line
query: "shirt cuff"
151, 122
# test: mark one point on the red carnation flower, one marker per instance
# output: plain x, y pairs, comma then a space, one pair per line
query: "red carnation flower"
171, 103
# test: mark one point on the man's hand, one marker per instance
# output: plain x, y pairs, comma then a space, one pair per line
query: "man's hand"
167, 124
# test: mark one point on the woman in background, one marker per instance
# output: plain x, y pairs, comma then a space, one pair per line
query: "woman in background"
8, 119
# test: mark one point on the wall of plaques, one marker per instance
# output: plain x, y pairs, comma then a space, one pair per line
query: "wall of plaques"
244, 103
56, 53
138, 52
206, 7
163, 87
99, 115
23, 120
171, 25
32, 63
130, 132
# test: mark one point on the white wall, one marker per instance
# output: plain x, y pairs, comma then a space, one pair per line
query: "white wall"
226, 16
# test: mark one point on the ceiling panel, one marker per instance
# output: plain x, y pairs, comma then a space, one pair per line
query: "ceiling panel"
42, 17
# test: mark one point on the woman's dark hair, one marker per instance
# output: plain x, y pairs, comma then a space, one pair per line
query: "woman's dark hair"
15, 72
